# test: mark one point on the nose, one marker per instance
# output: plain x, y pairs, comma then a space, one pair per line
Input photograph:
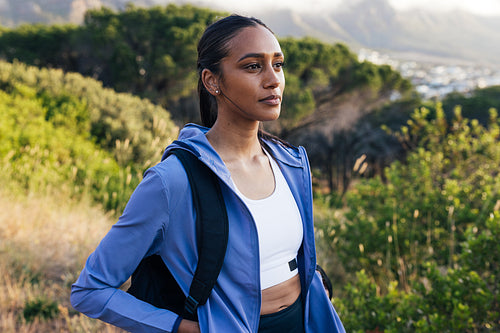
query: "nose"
273, 78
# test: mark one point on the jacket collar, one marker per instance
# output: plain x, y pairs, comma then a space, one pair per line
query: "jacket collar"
192, 138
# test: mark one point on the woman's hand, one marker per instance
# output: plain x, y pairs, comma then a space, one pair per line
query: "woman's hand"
188, 326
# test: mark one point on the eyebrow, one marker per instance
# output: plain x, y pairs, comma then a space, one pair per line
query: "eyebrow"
259, 55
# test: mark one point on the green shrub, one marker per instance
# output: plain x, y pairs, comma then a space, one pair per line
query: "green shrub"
62, 132
40, 307
132, 129
431, 228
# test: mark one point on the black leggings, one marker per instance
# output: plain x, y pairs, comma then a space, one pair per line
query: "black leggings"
290, 320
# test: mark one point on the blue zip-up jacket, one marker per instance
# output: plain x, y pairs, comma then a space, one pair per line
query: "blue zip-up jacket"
159, 219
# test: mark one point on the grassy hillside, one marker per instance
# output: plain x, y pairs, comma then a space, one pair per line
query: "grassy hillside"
71, 153
70, 150
44, 242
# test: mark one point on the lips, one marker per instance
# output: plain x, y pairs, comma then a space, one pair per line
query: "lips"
271, 100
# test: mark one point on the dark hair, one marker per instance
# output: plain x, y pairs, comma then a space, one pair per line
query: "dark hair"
212, 48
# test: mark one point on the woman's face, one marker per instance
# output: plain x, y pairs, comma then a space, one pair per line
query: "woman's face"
252, 79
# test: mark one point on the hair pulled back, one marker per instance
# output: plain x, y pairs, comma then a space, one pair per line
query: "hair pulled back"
212, 48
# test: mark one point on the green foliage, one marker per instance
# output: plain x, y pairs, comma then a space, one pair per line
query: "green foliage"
66, 133
40, 307
432, 226
362, 308
66, 111
465, 299
150, 52
38, 44
315, 70
315, 62
135, 131
298, 101
475, 105
329, 99
38, 155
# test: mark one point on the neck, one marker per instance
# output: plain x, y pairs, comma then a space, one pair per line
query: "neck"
235, 142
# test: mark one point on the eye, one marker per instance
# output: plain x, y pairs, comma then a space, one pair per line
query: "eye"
253, 67
279, 65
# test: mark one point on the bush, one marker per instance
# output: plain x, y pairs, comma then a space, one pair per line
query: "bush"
465, 299
61, 132
134, 130
431, 229
40, 308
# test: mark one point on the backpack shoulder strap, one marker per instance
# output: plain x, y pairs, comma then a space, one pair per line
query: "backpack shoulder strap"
211, 227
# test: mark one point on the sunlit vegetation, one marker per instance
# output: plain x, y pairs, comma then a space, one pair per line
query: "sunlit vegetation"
418, 251
63, 132
44, 240
406, 191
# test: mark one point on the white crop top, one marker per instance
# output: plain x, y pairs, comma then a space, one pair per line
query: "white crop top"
279, 228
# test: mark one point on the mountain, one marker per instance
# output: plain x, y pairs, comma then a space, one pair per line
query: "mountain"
373, 24
16, 12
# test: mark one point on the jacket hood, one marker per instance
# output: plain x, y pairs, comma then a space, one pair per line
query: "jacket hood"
192, 138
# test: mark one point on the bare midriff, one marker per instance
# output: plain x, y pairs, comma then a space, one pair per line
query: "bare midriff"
280, 296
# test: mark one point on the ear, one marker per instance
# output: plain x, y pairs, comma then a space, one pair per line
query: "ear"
210, 82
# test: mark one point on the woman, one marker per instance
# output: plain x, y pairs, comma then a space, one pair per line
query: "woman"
266, 187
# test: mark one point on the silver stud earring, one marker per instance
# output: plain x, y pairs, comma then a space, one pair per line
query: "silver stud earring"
217, 91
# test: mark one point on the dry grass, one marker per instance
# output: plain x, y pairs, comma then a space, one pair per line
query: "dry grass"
43, 244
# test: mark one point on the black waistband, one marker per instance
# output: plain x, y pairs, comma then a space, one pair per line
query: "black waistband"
290, 319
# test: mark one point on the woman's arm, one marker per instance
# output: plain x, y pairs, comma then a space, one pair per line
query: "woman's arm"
188, 326
137, 233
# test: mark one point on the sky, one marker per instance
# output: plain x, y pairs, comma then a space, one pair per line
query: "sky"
480, 7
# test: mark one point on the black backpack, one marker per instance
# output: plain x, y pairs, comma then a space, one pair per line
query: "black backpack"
152, 282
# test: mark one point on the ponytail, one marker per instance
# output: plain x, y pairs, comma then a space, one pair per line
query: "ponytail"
208, 105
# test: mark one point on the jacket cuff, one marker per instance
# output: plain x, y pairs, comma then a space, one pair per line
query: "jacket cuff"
176, 324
